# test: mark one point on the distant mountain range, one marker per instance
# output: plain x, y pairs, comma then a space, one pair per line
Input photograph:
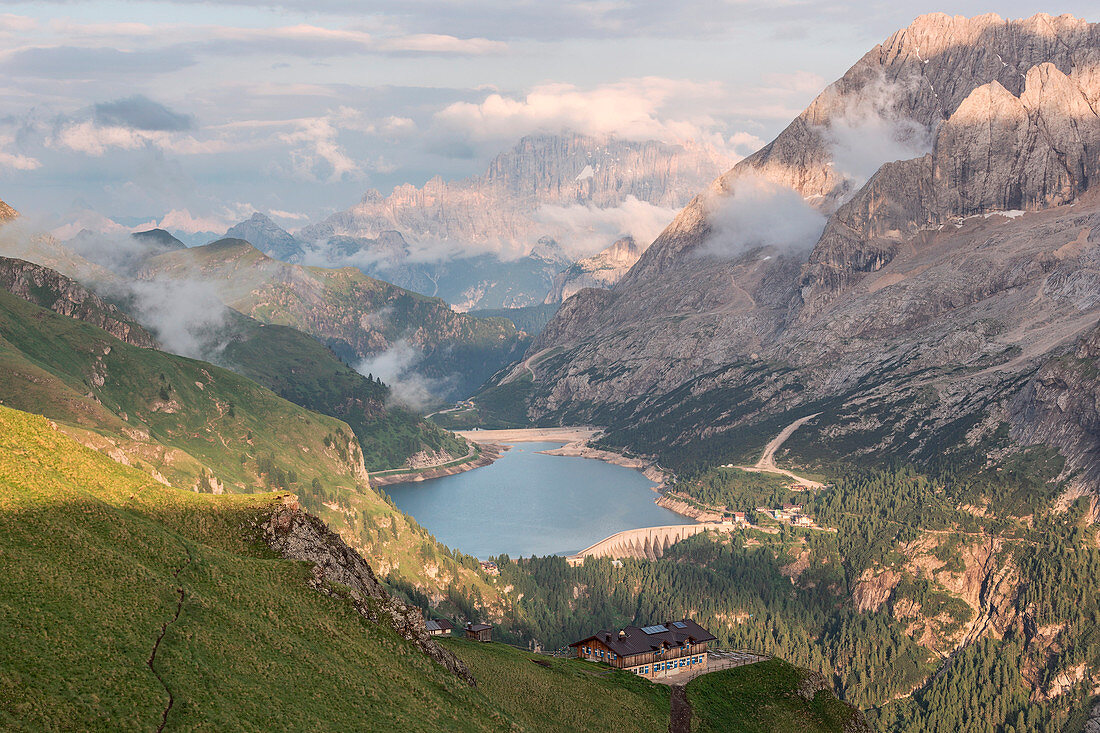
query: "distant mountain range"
503, 239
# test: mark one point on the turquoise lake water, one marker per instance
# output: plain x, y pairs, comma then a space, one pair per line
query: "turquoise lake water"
527, 503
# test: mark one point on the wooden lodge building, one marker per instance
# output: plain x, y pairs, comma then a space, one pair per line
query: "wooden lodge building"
479, 632
655, 651
439, 627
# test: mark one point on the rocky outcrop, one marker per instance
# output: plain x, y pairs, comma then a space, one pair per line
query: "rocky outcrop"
50, 289
268, 237
1060, 407
7, 213
340, 572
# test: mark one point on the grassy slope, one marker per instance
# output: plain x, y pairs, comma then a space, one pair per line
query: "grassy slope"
91, 550
353, 313
47, 363
568, 695
94, 553
79, 374
300, 369
760, 698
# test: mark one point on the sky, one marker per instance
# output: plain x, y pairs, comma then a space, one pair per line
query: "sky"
192, 115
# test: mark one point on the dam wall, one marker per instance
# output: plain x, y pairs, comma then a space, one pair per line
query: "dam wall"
646, 543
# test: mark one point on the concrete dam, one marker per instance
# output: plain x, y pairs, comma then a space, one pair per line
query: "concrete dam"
647, 543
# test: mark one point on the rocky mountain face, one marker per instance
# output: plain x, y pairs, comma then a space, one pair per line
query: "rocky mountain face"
50, 289
922, 301
474, 242
599, 271
268, 237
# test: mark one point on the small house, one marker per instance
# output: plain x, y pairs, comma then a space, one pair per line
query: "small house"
739, 517
490, 568
479, 632
439, 627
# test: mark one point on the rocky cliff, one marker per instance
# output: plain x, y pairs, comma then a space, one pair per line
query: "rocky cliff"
50, 289
907, 298
7, 213
341, 572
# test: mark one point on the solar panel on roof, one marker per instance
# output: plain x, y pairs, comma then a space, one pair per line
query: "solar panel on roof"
679, 624
654, 629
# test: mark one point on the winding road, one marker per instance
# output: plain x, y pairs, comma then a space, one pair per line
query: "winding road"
766, 464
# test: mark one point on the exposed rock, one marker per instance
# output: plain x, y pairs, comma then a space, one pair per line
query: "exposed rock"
7, 213
937, 288
1060, 407
49, 289
340, 572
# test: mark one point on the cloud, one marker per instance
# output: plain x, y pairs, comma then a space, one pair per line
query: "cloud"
181, 220
11, 24
868, 132
141, 113
396, 366
91, 139
187, 316
650, 108
759, 213
15, 161
585, 230
317, 155
75, 63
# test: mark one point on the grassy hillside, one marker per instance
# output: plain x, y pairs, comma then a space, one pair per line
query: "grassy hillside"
100, 562
94, 556
213, 419
542, 693
198, 426
356, 315
300, 369
765, 697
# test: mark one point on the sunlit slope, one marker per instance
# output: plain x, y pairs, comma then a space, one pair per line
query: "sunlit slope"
201, 427
92, 557
207, 419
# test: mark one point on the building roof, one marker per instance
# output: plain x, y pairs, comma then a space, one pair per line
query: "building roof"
438, 624
478, 627
643, 640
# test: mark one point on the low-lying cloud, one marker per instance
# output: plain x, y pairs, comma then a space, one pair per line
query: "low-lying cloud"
585, 230
759, 213
868, 132
397, 367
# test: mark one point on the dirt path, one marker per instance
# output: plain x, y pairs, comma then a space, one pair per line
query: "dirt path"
160, 638
766, 464
680, 711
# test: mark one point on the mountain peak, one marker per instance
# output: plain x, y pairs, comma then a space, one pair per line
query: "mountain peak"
7, 213
268, 237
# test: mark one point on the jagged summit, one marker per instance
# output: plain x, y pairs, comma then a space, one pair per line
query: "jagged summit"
906, 86
970, 239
